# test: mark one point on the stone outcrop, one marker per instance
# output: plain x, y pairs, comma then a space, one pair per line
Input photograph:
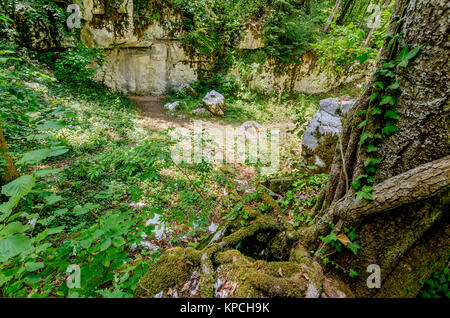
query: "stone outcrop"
215, 103
319, 139
153, 60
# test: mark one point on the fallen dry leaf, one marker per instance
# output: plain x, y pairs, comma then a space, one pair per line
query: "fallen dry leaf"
344, 239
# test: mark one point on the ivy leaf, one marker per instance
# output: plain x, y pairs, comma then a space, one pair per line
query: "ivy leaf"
357, 183
374, 96
371, 161
363, 124
371, 148
362, 58
364, 195
391, 114
329, 238
354, 247
378, 136
19, 187
353, 273
394, 85
364, 136
379, 84
389, 128
405, 56
387, 99
376, 111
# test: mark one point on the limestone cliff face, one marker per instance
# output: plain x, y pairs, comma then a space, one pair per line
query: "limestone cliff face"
149, 64
155, 61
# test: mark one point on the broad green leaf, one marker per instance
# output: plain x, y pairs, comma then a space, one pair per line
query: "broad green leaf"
33, 279
374, 96
52, 199
34, 266
50, 125
46, 172
34, 156
13, 228
362, 58
379, 84
14, 245
19, 187
106, 243
118, 241
7, 207
58, 151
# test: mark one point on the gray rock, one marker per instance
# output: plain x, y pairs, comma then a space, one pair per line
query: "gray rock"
215, 103
185, 88
171, 106
200, 111
319, 139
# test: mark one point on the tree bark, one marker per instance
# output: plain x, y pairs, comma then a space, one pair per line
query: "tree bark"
344, 11
10, 172
393, 228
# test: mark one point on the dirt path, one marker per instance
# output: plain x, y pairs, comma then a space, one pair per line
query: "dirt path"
158, 118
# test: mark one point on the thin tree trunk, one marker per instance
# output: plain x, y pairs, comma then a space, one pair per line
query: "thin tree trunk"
376, 22
341, 17
331, 17
10, 171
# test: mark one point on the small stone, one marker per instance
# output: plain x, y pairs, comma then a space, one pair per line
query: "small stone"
186, 89
200, 111
215, 103
171, 106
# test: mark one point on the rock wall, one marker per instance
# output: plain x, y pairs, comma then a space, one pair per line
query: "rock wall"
156, 62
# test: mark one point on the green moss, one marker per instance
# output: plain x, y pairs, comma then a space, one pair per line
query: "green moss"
261, 278
260, 224
173, 268
268, 200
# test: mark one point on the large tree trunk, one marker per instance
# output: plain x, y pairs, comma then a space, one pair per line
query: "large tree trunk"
395, 236
404, 229
9, 170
